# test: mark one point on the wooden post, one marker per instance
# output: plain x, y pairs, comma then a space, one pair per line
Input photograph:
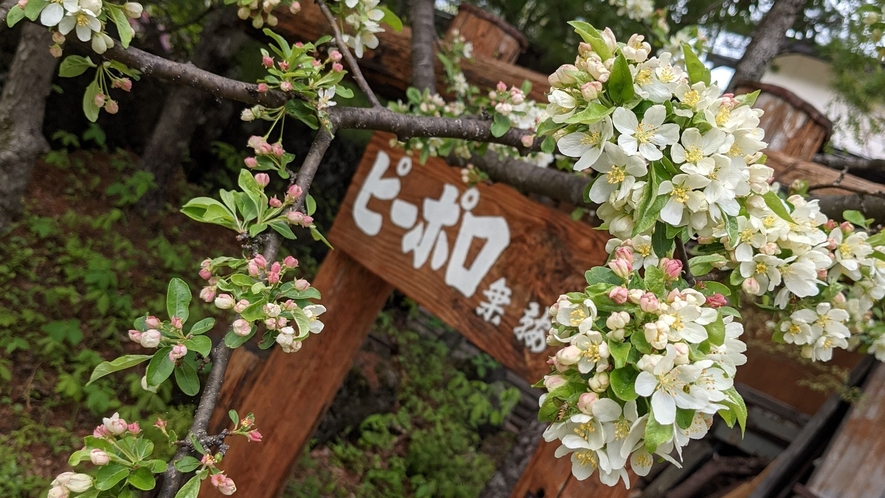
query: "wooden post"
290, 393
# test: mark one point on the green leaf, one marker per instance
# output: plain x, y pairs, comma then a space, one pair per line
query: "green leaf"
242, 280
187, 464
856, 217
157, 466
711, 288
592, 36
142, 479
186, 378
109, 475
343, 92
655, 433
548, 145
748, 98
202, 326
878, 255
623, 382
74, 65
33, 9
697, 71
234, 417
283, 229
716, 331
619, 351
702, 265
89, 108
178, 299
654, 280
201, 344
391, 19
777, 205
160, 367
660, 243
620, 82
500, 125
253, 311
124, 29
310, 204
78, 456
640, 342
190, 489
592, 114
731, 227
283, 44
302, 321
234, 341
602, 274
736, 405
15, 15
684, 417
121, 363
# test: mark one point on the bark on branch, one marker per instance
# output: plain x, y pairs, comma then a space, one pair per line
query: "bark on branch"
768, 38
871, 169
423, 39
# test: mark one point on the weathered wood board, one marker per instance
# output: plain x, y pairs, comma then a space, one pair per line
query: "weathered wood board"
854, 465
486, 260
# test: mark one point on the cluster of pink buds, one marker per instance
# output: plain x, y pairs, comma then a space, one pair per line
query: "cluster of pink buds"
672, 268
102, 101
262, 148
58, 39
622, 263
505, 101
124, 84
299, 218
224, 484
115, 426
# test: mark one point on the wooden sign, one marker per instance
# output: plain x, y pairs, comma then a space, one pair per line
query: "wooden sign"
486, 260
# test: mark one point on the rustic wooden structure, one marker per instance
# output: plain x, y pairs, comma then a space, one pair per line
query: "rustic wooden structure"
792, 126
489, 34
486, 260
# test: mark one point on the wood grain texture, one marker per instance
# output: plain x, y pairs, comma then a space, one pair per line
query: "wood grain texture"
389, 67
547, 255
290, 392
788, 168
854, 465
490, 35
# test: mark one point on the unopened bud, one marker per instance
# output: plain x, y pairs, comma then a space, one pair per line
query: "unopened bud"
585, 402
618, 295
132, 10
262, 179
224, 301
178, 351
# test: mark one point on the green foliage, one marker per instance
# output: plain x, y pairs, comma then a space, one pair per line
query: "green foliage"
429, 445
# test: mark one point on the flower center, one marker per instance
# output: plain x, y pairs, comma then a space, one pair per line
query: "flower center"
585, 430
691, 98
622, 428
644, 250
642, 459
680, 194
768, 221
735, 150
591, 353
693, 154
644, 132
576, 317
82, 19
723, 116
667, 75
794, 330
746, 234
761, 268
585, 457
592, 138
616, 175
643, 77
844, 250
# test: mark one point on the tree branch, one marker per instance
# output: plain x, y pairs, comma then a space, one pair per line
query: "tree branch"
866, 168
351, 60
682, 256
423, 37
221, 353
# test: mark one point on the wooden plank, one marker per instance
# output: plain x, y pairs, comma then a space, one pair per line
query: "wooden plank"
290, 393
542, 251
786, 467
788, 168
545, 475
389, 68
854, 465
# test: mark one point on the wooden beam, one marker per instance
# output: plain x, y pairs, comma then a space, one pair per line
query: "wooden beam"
289, 393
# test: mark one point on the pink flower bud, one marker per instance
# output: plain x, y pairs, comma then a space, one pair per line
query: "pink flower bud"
716, 301
278, 150
55, 51
99, 100
590, 90
648, 302
585, 402
100, 432
224, 484
207, 294
176, 322
160, 424
286, 86
527, 140
750, 286
134, 428
621, 267
264, 149
270, 323
294, 192
822, 274
282, 321
99, 457
241, 327
262, 179
337, 67
262, 88
335, 56
501, 86
267, 61
241, 305
260, 261
846, 227
618, 295
284, 65
274, 202
672, 268
254, 436
115, 425
224, 301
295, 7
551, 382
205, 274
830, 225
255, 141
302, 285
295, 217
152, 322
273, 278
112, 107
634, 295
135, 336
253, 269
250, 162
150, 339
178, 352
624, 252
569, 355
290, 262
307, 221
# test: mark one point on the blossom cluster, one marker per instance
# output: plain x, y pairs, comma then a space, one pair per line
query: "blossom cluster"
261, 12
363, 17
86, 18
644, 365
264, 294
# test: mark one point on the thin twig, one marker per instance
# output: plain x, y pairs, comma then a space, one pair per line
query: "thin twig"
221, 353
351, 60
683, 257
